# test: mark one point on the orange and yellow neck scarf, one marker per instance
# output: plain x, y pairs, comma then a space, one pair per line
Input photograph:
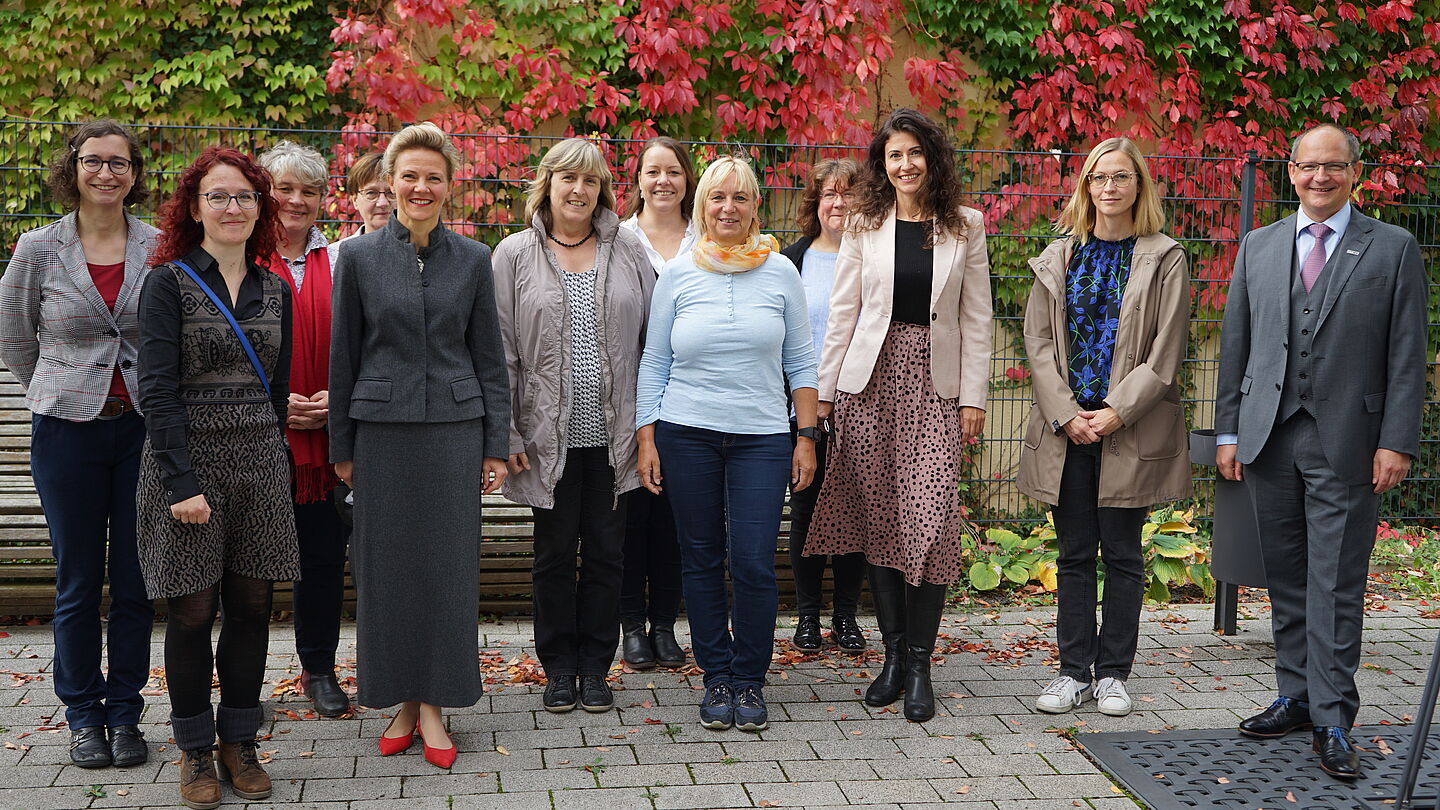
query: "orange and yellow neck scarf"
737, 258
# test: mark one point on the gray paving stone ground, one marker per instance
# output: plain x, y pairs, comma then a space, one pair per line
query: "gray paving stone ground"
986, 750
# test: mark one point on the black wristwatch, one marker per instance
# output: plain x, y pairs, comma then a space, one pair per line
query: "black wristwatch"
812, 433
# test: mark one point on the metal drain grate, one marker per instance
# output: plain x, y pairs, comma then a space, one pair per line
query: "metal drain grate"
1218, 768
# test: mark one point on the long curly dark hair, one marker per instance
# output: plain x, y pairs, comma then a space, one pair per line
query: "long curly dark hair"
940, 197
179, 230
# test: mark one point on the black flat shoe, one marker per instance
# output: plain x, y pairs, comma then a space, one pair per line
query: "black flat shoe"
127, 746
89, 748
1338, 756
668, 652
847, 633
595, 695
636, 648
807, 634
1284, 716
560, 694
325, 694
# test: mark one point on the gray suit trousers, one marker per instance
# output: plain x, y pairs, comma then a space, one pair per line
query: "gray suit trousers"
1316, 533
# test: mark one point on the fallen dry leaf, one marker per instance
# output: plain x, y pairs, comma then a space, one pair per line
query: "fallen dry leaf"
963, 789
500, 749
1290, 796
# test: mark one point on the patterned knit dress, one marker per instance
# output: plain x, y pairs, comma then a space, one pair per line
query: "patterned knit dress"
238, 453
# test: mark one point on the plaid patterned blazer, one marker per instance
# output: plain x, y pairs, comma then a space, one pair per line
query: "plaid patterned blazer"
56, 334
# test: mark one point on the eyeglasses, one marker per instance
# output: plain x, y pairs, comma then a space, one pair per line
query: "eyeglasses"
92, 164
832, 196
1333, 167
371, 195
219, 200
1120, 179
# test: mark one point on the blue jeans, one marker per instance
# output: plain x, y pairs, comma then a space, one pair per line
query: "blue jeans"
727, 491
86, 473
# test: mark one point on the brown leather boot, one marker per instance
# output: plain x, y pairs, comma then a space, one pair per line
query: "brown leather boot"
199, 788
239, 765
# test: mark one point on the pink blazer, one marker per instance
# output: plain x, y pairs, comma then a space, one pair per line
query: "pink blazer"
960, 312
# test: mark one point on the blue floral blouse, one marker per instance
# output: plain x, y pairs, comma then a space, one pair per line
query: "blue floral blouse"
1094, 287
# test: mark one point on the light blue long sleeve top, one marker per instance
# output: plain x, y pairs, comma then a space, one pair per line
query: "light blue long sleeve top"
720, 347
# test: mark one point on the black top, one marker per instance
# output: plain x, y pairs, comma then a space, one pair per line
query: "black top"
161, 322
914, 268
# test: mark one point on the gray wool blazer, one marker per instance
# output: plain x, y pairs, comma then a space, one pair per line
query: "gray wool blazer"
56, 334
1369, 346
409, 345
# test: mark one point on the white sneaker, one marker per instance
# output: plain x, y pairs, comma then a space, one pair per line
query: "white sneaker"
1111, 697
1063, 694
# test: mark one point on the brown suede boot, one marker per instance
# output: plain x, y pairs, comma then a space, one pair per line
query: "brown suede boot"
199, 788
239, 765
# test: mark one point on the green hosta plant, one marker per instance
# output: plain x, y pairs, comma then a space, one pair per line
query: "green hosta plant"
1174, 551
1005, 555
1174, 554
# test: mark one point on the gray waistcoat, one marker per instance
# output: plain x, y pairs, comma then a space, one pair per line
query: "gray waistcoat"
1304, 315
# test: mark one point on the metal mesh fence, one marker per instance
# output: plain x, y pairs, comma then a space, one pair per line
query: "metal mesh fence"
1206, 200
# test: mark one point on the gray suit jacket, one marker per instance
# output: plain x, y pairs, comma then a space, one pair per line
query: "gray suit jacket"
1369, 346
415, 346
56, 334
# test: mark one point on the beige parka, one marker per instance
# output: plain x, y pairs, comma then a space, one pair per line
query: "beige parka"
1145, 462
535, 327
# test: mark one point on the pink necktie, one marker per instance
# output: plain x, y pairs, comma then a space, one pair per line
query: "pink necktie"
1315, 262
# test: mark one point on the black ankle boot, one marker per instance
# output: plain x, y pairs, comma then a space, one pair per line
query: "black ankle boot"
887, 589
668, 652
638, 651
923, 605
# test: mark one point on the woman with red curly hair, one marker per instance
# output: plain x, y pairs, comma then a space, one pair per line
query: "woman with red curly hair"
215, 522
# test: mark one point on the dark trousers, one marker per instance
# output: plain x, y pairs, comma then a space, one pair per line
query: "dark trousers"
320, 591
86, 473
1316, 534
810, 571
577, 617
651, 588
1083, 528
728, 491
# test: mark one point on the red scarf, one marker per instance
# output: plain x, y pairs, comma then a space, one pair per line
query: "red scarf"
309, 370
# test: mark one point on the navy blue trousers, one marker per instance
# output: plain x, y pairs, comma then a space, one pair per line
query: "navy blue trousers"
85, 473
727, 491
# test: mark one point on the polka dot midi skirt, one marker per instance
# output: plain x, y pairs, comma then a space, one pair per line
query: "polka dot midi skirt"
892, 476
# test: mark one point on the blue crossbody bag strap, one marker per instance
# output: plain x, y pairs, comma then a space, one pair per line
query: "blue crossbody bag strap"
224, 310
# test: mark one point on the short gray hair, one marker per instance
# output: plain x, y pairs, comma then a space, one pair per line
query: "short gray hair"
301, 162
1352, 143
424, 135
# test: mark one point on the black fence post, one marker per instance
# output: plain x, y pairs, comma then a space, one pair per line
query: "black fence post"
1227, 594
1247, 192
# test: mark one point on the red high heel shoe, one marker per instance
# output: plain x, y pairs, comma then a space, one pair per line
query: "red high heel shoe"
439, 757
390, 746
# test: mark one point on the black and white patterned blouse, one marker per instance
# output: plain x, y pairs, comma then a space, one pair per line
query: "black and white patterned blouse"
587, 415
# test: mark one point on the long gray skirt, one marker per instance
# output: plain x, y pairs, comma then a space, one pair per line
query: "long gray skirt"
415, 555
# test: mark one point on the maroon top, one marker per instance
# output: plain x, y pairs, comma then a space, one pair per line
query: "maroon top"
108, 279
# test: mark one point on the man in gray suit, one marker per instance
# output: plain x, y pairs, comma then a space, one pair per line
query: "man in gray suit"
1322, 380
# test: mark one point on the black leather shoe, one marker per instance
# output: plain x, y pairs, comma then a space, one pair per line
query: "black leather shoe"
668, 652
325, 694
560, 694
1284, 716
847, 633
127, 746
1338, 756
639, 653
89, 748
807, 634
595, 695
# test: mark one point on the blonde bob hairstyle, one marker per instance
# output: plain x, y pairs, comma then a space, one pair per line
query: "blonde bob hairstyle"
715, 175
423, 136
570, 155
1078, 217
